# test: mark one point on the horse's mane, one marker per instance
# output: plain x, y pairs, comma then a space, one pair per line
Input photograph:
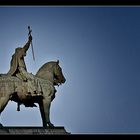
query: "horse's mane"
46, 67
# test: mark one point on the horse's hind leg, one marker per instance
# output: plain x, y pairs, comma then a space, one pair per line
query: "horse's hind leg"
3, 102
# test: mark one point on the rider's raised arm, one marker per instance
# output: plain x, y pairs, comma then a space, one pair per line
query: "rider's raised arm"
27, 45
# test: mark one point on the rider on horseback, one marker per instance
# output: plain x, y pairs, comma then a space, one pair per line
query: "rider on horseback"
18, 69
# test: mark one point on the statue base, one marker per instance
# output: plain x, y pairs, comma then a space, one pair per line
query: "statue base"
33, 131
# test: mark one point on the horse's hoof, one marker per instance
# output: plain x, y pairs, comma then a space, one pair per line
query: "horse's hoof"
50, 125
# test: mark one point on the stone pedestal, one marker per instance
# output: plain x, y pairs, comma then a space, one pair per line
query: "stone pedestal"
33, 131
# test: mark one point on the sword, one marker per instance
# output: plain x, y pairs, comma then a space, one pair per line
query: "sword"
31, 43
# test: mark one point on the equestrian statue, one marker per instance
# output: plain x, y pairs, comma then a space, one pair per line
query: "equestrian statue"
25, 88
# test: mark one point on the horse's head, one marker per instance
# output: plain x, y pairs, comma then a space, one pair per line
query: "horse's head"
52, 71
58, 75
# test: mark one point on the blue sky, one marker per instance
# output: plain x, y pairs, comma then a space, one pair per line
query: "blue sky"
99, 51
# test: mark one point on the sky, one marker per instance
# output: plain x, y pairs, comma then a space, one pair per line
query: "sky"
99, 52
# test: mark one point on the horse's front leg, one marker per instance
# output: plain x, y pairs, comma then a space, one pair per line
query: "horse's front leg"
44, 106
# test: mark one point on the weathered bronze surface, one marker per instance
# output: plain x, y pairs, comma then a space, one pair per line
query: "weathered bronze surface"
25, 88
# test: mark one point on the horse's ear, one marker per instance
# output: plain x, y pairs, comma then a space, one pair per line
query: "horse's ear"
57, 62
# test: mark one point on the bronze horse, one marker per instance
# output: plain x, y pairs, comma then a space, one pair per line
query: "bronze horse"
49, 75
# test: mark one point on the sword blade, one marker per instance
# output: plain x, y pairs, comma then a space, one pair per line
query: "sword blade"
33, 51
